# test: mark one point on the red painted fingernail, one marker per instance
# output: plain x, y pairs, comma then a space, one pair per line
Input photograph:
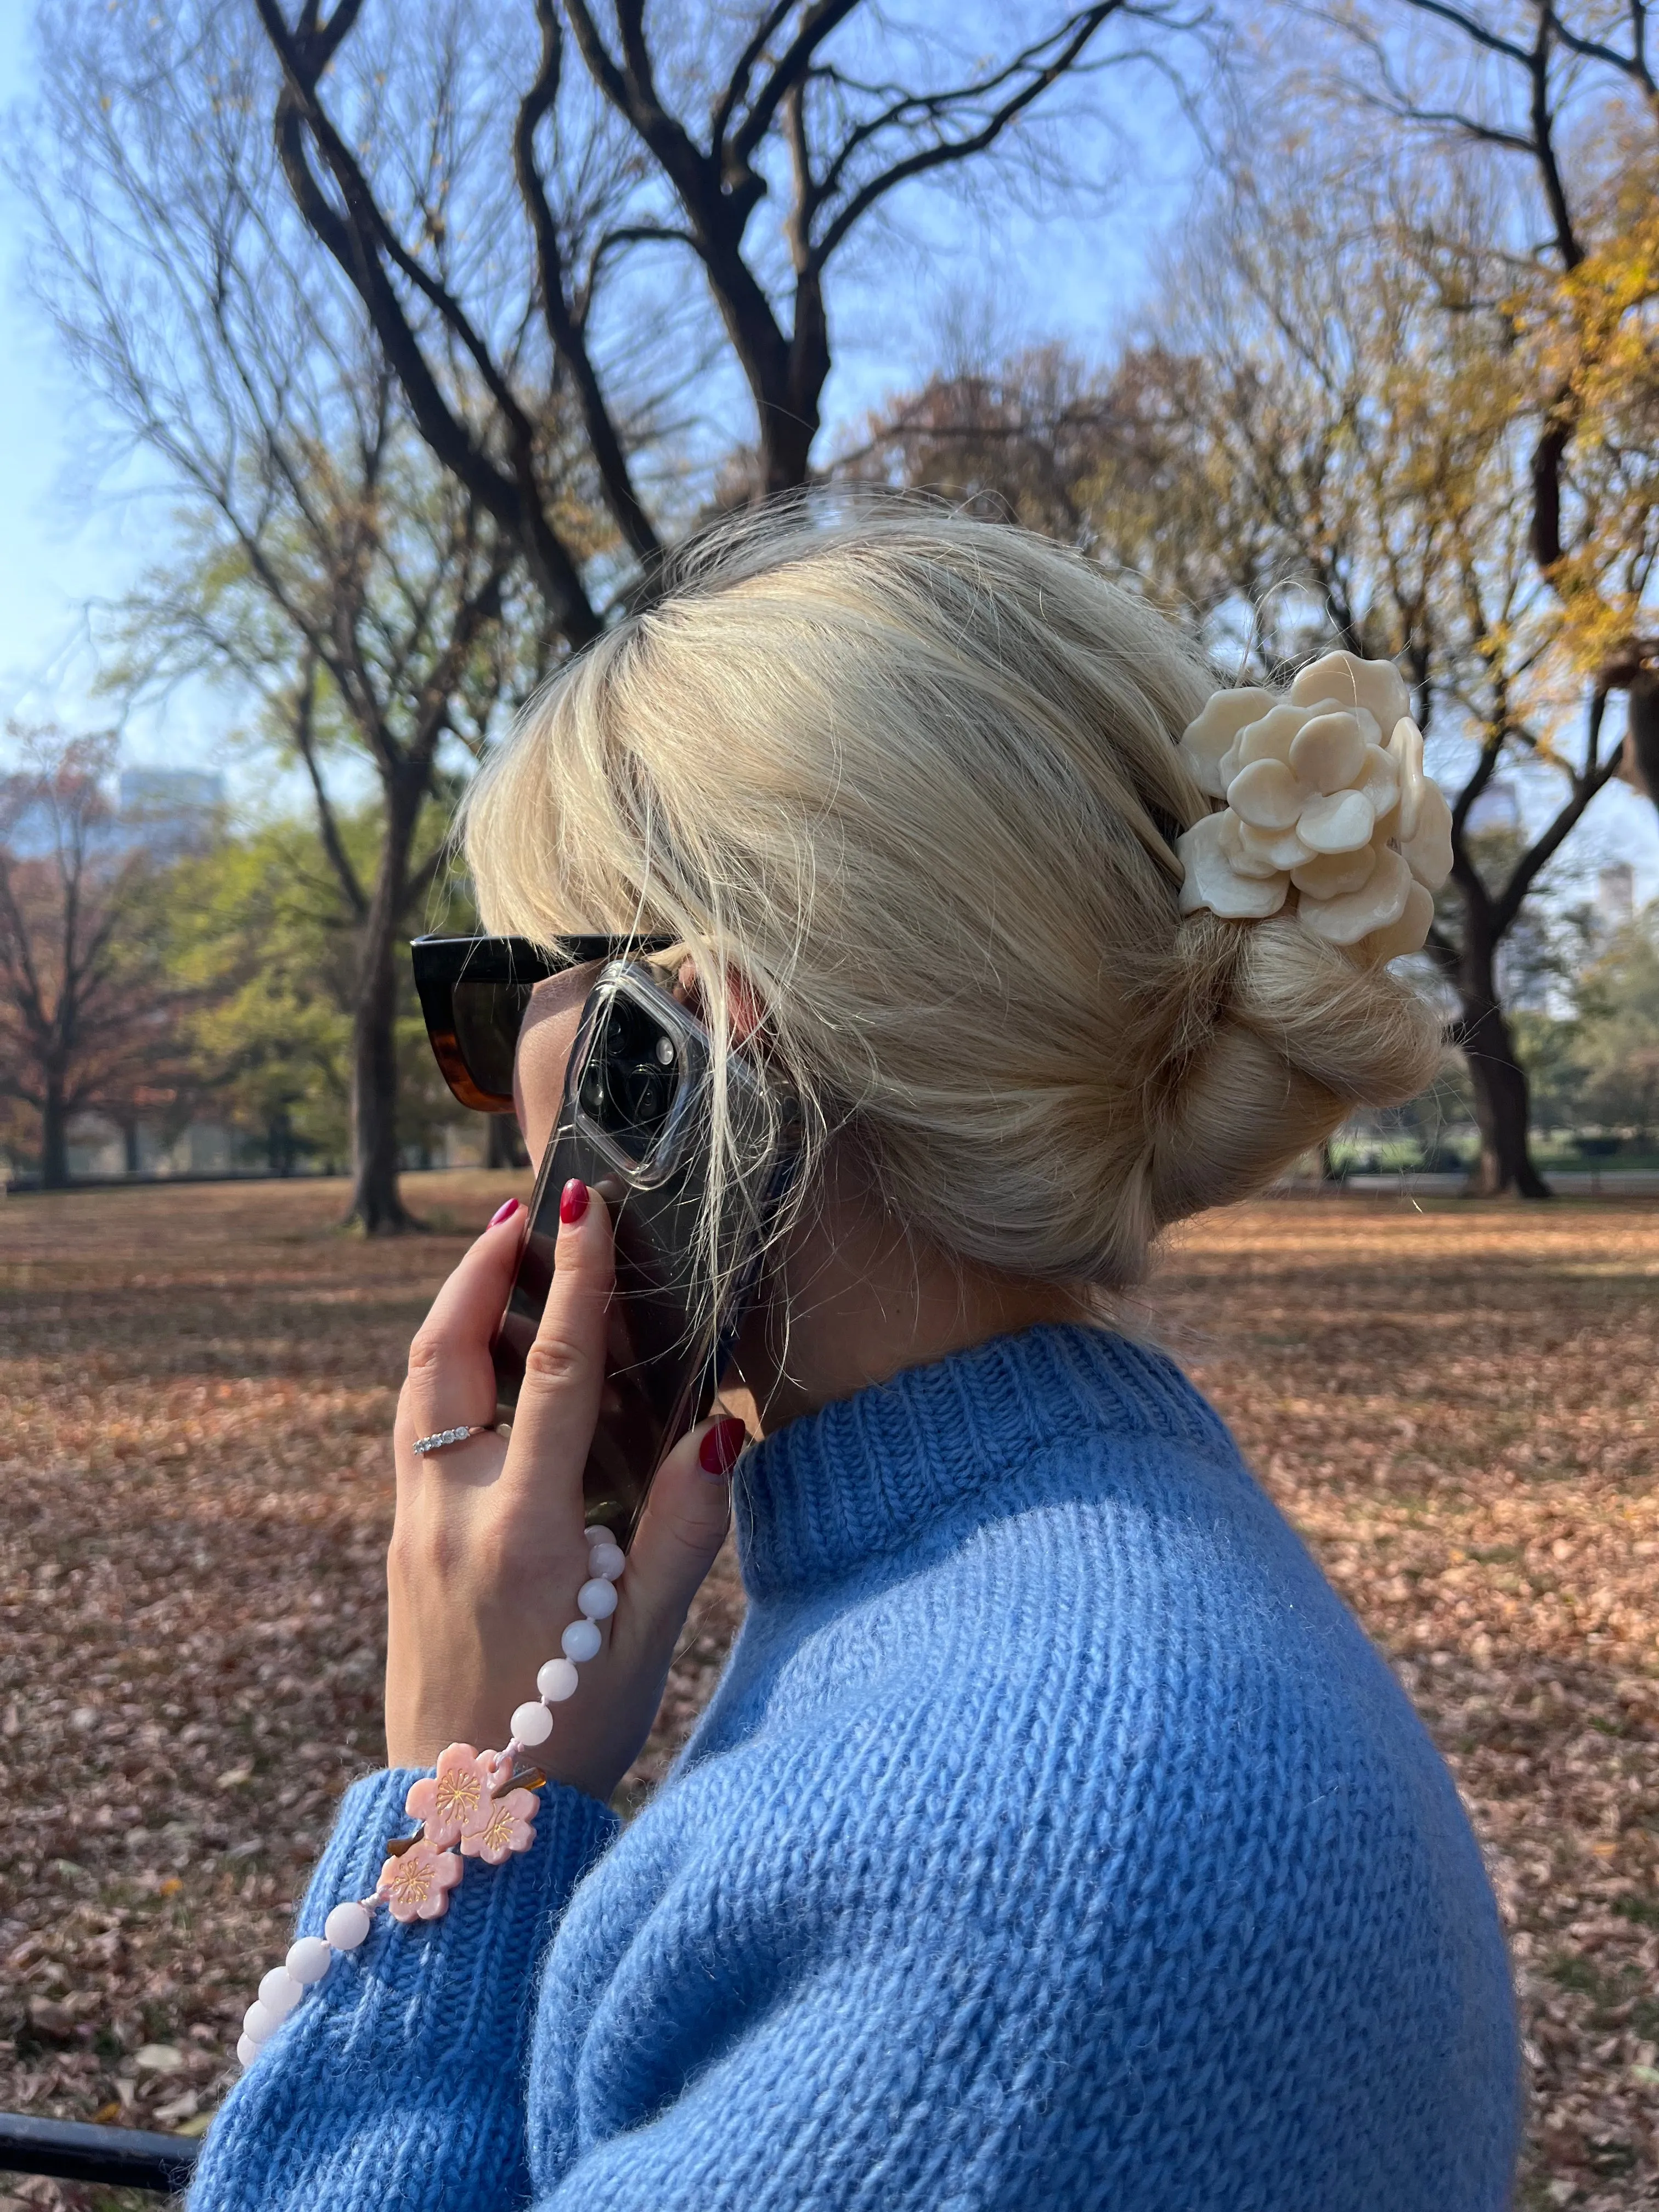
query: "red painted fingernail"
505, 1212
573, 1200
718, 1452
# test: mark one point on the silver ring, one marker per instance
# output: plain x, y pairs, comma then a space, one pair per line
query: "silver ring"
440, 1438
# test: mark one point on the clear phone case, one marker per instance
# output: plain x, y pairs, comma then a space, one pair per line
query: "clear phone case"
635, 1125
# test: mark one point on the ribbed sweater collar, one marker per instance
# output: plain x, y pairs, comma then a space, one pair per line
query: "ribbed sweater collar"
856, 1480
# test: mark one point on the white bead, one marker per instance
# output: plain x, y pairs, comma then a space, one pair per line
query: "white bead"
607, 1559
308, 1960
346, 1927
533, 1723
259, 2022
279, 1992
247, 2049
597, 1599
557, 1681
581, 1640
597, 1534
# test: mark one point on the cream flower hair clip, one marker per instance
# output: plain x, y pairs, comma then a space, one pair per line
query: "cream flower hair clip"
1317, 803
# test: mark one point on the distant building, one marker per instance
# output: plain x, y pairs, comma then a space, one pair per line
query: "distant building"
165, 812
1615, 899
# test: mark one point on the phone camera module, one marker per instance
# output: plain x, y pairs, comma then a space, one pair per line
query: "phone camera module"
632, 1077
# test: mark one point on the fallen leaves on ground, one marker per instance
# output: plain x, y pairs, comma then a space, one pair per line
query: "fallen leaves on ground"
1456, 1407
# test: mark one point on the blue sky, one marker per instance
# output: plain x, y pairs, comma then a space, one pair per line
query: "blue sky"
49, 558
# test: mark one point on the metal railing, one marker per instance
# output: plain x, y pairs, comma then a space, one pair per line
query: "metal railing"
71, 2151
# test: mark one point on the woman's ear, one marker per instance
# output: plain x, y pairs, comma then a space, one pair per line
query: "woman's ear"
746, 1011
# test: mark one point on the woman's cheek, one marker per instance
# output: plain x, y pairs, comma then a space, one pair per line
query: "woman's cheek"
550, 1022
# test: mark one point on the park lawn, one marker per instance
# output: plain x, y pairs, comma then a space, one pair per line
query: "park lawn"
1455, 1404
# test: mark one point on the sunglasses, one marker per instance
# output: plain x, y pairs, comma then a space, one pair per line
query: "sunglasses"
473, 992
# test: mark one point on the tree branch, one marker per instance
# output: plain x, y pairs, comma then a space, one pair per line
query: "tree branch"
1075, 35
305, 744
737, 86
1531, 864
817, 25
356, 242
569, 341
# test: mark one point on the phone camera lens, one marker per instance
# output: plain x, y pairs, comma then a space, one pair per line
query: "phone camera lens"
633, 1078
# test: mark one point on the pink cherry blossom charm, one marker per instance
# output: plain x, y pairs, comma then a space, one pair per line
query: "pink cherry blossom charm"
448, 1800
415, 1884
503, 1826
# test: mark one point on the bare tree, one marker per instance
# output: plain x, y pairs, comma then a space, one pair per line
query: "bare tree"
322, 560
87, 1013
822, 107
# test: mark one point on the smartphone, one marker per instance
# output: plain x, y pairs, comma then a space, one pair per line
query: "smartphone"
636, 1124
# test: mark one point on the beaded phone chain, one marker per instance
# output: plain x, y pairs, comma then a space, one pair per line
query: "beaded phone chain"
482, 1800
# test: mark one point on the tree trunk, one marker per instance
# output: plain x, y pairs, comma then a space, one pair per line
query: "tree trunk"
376, 1205
504, 1146
279, 1142
129, 1146
1501, 1105
54, 1139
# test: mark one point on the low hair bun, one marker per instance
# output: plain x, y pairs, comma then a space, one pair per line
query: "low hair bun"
1303, 1036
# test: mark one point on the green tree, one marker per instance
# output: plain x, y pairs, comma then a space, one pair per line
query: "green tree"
1618, 1044
264, 939
262, 934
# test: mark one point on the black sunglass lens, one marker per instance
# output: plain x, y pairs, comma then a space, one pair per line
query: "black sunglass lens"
487, 1018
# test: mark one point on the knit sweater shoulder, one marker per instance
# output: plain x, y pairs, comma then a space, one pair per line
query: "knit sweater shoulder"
1055, 1838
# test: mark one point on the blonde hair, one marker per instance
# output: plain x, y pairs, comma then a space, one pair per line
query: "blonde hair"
913, 777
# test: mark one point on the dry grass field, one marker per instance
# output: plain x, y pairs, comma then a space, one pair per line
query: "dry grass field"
1456, 1405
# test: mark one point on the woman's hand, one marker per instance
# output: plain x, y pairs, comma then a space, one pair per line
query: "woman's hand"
487, 1551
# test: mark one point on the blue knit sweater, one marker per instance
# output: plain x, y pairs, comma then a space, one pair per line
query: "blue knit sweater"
1055, 1839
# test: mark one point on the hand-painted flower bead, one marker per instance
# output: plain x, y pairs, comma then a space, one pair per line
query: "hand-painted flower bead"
505, 1825
259, 2023
279, 1992
607, 1559
445, 1801
581, 1641
346, 1927
308, 1959
557, 1681
597, 1599
532, 1723
417, 1884
247, 2049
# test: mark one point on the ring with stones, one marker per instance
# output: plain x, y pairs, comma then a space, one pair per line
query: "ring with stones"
440, 1438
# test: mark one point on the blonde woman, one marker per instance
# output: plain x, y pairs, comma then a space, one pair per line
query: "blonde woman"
1054, 1838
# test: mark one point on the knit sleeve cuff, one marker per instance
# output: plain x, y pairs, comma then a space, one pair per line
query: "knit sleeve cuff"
472, 1968
404, 2066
